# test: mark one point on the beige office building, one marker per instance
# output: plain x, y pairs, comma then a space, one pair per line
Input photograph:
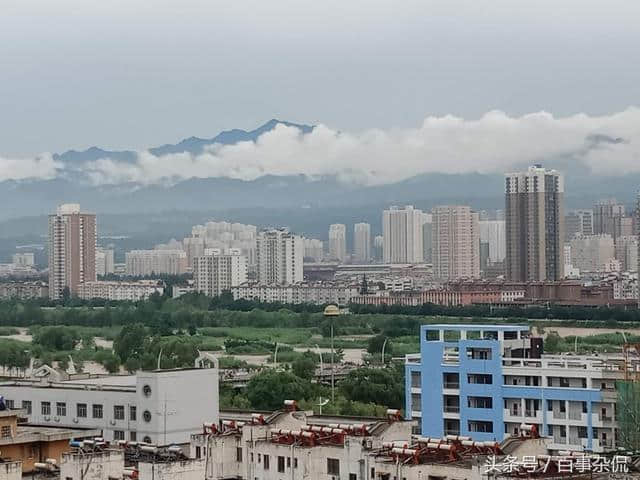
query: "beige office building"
338, 241
534, 216
72, 249
455, 242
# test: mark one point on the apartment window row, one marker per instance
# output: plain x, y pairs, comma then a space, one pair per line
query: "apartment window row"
97, 410
266, 460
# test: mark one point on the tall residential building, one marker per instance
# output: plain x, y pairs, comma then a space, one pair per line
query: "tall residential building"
456, 242
607, 217
141, 263
427, 238
279, 257
214, 274
104, 261
627, 253
578, 221
492, 232
534, 222
591, 253
72, 249
402, 235
24, 259
224, 236
338, 241
362, 242
313, 249
378, 247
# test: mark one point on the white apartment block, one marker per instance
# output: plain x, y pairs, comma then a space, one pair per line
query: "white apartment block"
23, 290
455, 242
279, 256
493, 233
402, 235
153, 262
217, 273
338, 242
161, 407
318, 294
313, 249
105, 263
627, 253
591, 253
361, 242
120, 291
295, 446
222, 235
26, 259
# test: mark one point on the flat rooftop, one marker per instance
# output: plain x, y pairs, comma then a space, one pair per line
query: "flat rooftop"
476, 327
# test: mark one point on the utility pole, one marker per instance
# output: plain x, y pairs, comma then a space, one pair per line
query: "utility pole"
333, 367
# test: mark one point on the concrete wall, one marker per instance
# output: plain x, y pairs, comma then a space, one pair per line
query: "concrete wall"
10, 471
92, 466
183, 470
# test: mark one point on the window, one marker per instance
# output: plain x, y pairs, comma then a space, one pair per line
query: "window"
295, 463
333, 466
97, 410
132, 413
118, 435
61, 409
266, 462
9, 403
353, 476
146, 415
373, 472
133, 436
81, 410
480, 426
281, 464
118, 412
288, 462
198, 452
239, 454
45, 408
5, 432
146, 390
26, 404
147, 439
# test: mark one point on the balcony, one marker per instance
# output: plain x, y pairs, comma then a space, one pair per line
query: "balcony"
451, 385
452, 409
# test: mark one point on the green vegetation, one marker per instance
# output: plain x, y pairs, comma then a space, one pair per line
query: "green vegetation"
602, 343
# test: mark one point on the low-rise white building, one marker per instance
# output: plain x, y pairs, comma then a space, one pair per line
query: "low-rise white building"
115, 290
160, 406
159, 261
314, 293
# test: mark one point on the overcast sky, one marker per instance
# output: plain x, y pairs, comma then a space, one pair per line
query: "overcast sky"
137, 73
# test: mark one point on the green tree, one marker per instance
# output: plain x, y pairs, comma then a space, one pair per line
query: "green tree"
269, 389
383, 385
375, 345
130, 341
56, 338
304, 366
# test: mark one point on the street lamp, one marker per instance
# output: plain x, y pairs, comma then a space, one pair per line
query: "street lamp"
383, 346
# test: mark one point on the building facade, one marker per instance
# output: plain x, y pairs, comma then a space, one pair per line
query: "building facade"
214, 274
534, 222
120, 291
456, 242
161, 406
72, 250
314, 293
338, 242
361, 242
105, 263
591, 253
313, 249
140, 263
402, 235
485, 381
578, 222
280, 256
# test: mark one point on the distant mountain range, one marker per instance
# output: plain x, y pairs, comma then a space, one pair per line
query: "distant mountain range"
39, 197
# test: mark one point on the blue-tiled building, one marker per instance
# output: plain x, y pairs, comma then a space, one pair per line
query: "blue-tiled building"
484, 381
